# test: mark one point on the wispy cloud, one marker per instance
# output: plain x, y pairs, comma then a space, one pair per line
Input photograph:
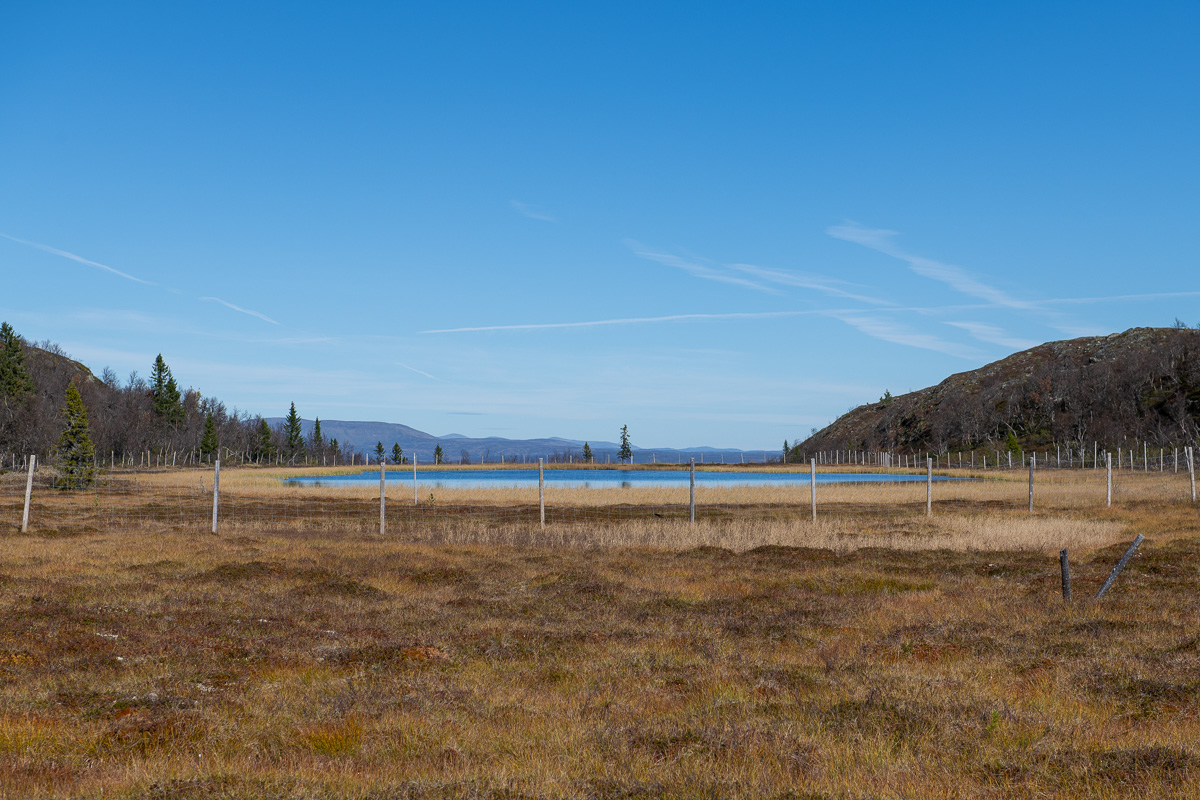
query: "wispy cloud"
896, 333
704, 271
263, 317
993, 334
629, 321
532, 211
65, 254
418, 371
827, 286
957, 278
1115, 298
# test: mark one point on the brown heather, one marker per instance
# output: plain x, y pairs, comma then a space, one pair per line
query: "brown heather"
875, 653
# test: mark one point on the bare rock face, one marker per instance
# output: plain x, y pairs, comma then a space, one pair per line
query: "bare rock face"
1141, 384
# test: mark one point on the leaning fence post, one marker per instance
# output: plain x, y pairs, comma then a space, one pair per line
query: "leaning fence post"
216, 493
929, 487
1108, 470
812, 484
28, 494
1066, 575
382, 499
541, 493
1032, 461
1112, 576
692, 494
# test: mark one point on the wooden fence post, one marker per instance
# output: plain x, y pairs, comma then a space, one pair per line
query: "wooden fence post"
28, 494
1065, 567
692, 494
1032, 462
812, 483
1112, 576
414, 479
1191, 459
382, 498
1108, 469
929, 487
216, 493
541, 493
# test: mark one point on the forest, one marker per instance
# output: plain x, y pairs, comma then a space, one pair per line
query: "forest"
136, 418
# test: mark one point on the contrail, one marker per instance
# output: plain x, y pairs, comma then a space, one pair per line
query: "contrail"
263, 317
47, 248
628, 321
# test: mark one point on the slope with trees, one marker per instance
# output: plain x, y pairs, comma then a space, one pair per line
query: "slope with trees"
1143, 383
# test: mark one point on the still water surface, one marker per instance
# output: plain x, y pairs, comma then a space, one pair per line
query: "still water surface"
597, 478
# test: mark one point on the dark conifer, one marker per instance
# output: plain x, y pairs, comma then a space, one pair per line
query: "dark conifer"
587, 452
626, 451
293, 436
167, 399
266, 442
208, 442
75, 452
14, 378
397, 454
379, 452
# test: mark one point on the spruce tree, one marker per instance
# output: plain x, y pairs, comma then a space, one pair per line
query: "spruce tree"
379, 452
626, 451
316, 439
438, 455
208, 442
14, 378
397, 453
75, 451
786, 450
293, 437
266, 442
587, 452
164, 390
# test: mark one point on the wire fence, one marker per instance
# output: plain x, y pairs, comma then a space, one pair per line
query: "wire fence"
266, 499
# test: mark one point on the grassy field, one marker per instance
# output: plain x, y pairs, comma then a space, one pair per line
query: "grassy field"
867, 655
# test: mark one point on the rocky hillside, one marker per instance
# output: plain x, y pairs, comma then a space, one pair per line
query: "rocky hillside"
1143, 383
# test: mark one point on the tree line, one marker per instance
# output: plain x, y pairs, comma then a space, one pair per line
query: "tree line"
131, 417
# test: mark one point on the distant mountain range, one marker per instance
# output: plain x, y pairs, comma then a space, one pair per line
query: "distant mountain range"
362, 436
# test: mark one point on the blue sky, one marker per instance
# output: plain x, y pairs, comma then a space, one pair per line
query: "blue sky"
719, 224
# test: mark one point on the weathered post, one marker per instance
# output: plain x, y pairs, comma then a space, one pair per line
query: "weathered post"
1032, 461
1108, 469
1112, 576
382, 498
1191, 459
28, 494
541, 494
692, 494
929, 487
1065, 566
812, 483
216, 493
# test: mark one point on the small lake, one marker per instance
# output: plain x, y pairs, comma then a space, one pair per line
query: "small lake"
597, 478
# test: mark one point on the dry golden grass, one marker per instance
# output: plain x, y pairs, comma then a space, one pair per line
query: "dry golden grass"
866, 655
